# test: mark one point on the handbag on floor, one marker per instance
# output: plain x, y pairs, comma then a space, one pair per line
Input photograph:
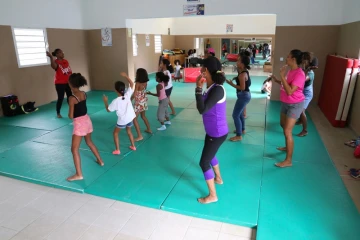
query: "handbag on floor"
10, 105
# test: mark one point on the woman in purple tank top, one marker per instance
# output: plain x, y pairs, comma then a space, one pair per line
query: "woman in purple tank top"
212, 106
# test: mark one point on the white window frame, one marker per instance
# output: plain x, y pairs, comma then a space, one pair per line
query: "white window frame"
17, 49
156, 44
197, 43
135, 45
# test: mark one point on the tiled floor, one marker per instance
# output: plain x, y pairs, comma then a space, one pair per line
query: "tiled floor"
33, 212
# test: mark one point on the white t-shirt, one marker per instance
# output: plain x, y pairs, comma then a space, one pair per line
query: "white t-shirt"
124, 109
167, 72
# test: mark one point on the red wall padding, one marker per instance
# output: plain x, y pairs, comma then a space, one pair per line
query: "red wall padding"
332, 85
191, 74
232, 57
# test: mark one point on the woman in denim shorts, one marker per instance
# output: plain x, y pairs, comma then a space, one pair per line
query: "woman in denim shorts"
292, 98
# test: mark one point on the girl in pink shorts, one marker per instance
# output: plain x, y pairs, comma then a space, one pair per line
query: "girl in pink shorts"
82, 124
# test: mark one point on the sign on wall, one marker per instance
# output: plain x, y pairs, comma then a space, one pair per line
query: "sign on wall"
229, 28
147, 40
194, 9
106, 37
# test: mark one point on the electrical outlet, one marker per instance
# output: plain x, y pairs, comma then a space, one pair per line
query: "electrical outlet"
281, 59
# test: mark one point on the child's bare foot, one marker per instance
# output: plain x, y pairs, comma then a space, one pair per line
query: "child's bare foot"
208, 199
138, 139
75, 178
283, 149
148, 131
59, 116
284, 164
236, 138
218, 180
100, 162
173, 113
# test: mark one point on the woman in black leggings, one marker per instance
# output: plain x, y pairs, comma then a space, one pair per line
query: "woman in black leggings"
211, 104
62, 73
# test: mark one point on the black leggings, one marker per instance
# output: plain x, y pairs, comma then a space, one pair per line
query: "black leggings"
61, 89
212, 145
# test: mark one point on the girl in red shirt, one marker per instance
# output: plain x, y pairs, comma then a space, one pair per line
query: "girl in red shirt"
62, 73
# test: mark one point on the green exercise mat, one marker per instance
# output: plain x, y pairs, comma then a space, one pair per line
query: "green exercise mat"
241, 169
147, 176
50, 165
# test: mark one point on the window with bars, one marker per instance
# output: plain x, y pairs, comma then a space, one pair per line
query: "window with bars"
158, 44
31, 46
135, 45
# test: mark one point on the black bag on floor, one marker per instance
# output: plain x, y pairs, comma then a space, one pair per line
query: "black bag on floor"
10, 105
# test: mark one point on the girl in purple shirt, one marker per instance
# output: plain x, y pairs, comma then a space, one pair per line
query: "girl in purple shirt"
212, 106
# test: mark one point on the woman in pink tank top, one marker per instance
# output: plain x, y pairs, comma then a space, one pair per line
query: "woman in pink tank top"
292, 99
162, 113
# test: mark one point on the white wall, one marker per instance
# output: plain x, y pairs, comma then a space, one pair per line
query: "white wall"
42, 13
351, 11
151, 26
244, 24
112, 13
94, 14
205, 25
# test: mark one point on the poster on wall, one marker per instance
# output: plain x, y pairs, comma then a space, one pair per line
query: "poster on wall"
106, 37
147, 40
194, 9
229, 28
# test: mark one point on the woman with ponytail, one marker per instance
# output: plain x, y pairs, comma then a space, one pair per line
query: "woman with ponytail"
62, 73
211, 104
242, 86
292, 98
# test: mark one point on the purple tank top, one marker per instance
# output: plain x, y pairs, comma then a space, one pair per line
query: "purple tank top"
215, 122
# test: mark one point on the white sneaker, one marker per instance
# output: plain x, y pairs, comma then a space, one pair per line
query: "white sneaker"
167, 123
162, 128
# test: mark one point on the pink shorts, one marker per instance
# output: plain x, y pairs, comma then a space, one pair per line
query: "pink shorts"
82, 126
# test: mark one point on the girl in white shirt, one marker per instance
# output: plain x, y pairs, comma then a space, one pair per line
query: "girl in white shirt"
124, 110
168, 69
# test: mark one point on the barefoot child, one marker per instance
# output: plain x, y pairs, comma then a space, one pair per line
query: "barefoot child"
82, 123
162, 112
124, 110
141, 99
